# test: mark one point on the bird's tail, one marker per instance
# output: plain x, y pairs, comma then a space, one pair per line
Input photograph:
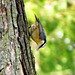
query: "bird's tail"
37, 19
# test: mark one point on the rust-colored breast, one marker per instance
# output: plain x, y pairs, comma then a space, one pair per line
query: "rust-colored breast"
35, 34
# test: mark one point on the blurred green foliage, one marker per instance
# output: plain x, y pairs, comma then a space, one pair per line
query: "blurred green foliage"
58, 20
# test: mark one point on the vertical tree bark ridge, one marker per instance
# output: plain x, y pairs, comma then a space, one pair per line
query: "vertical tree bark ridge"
27, 58
13, 56
16, 63
5, 40
9, 37
4, 17
9, 42
22, 44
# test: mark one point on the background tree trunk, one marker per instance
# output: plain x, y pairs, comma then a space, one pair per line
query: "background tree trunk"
16, 57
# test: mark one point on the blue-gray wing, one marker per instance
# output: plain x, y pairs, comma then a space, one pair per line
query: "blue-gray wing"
42, 35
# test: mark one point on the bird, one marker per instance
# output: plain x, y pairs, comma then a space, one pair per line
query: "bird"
38, 34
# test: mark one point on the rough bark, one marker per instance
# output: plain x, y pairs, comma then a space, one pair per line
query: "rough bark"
27, 58
15, 51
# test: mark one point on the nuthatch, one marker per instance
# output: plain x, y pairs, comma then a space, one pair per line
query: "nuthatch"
38, 34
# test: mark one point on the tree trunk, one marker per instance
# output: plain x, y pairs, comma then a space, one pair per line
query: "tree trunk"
15, 51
